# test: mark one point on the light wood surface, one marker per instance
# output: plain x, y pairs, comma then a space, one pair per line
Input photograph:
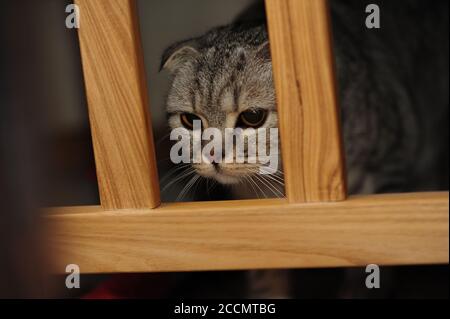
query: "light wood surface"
118, 103
307, 107
381, 229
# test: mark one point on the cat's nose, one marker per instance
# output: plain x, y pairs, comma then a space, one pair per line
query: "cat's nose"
211, 158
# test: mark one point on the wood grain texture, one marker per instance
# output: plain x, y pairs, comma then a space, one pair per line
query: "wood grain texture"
303, 66
118, 103
381, 229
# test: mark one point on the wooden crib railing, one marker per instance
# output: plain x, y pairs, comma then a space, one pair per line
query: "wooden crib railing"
316, 225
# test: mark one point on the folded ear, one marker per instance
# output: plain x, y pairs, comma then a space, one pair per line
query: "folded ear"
263, 51
178, 54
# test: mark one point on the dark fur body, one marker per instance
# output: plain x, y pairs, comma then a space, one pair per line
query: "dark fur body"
394, 94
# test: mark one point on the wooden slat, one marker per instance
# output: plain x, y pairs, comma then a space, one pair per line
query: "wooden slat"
381, 229
117, 97
308, 114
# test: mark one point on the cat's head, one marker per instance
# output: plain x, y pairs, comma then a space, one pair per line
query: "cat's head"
225, 81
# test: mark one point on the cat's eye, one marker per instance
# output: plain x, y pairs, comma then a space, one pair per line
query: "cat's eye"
187, 119
252, 118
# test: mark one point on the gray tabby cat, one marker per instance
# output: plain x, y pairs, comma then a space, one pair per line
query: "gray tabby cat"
224, 80
394, 99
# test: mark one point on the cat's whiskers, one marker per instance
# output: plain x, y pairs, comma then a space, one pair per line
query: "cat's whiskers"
257, 185
269, 185
186, 173
269, 181
187, 187
248, 180
173, 171
268, 177
278, 179
277, 185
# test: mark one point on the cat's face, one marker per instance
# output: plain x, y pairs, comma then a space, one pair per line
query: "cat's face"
230, 88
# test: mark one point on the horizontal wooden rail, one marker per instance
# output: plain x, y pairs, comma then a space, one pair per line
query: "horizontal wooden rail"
382, 229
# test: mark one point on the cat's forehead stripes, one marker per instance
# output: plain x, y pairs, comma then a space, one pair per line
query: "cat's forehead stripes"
226, 76
214, 84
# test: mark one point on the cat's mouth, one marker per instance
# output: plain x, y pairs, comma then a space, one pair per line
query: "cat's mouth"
222, 174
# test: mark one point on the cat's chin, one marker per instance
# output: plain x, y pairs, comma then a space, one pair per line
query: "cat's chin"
226, 179
221, 177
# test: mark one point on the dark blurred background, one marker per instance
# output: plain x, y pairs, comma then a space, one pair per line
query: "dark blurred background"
46, 156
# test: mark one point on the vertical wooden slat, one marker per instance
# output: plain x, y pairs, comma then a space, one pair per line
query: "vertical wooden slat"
306, 92
117, 97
